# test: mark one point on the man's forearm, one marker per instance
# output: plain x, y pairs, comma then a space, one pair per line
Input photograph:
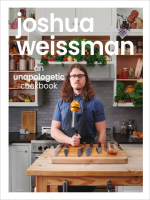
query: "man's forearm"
102, 137
58, 135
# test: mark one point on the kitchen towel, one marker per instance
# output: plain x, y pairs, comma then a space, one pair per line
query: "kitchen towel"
123, 32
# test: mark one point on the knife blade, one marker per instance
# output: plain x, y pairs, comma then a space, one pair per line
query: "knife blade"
119, 147
88, 150
80, 150
66, 150
58, 149
105, 147
98, 149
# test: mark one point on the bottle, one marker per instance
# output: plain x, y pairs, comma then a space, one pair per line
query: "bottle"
131, 73
22, 63
129, 128
125, 73
12, 64
123, 128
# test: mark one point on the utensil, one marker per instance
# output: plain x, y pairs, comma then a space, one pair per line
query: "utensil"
88, 150
80, 150
66, 150
58, 149
98, 149
119, 147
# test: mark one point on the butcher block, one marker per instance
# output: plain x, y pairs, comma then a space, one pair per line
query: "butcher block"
94, 158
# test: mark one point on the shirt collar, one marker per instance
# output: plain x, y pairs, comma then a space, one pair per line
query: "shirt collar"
77, 96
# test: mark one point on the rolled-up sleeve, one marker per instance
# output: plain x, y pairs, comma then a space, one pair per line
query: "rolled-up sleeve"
99, 114
57, 112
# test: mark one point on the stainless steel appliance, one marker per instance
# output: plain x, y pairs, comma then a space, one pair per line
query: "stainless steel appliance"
109, 134
38, 146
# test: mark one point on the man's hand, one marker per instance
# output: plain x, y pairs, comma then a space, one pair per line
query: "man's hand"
75, 140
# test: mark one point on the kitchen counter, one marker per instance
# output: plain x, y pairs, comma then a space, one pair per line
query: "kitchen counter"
16, 137
124, 139
53, 175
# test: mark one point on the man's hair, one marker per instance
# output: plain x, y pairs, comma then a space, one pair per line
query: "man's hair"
67, 91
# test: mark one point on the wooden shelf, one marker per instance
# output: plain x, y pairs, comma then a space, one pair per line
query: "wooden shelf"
128, 54
127, 79
18, 71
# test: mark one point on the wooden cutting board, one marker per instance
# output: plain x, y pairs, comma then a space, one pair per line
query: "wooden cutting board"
94, 158
28, 121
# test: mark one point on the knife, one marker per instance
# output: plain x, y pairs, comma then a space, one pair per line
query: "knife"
105, 147
80, 150
98, 149
119, 147
66, 150
58, 149
88, 150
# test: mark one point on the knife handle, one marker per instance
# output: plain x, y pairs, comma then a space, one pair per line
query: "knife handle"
91, 145
62, 144
76, 134
84, 144
99, 144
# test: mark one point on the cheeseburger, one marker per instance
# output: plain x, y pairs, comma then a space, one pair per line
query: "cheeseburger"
75, 106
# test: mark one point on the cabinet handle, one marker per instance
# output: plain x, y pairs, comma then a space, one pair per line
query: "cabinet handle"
25, 151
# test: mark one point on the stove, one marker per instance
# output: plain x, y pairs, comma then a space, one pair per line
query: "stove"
43, 141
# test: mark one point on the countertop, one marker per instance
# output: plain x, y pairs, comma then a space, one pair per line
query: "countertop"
43, 167
16, 137
125, 139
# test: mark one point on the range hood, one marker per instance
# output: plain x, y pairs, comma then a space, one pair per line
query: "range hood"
97, 72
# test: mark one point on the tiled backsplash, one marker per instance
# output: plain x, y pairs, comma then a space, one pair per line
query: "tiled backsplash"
104, 92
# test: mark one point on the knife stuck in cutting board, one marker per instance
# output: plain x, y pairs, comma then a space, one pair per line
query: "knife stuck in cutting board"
98, 149
66, 150
58, 149
80, 150
88, 150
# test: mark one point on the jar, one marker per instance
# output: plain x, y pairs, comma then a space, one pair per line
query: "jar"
17, 66
131, 73
12, 64
135, 47
112, 148
15, 47
139, 43
23, 11
31, 63
119, 49
22, 63
128, 45
140, 49
127, 49
125, 73
119, 75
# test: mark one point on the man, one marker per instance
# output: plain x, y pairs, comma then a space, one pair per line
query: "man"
91, 117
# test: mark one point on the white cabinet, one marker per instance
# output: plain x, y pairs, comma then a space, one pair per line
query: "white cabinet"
101, 17
58, 13
20, 160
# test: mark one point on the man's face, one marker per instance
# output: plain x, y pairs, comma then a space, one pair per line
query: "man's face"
76, 82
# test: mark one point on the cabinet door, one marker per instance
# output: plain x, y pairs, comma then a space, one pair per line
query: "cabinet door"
101, 17
60, 13
20, 163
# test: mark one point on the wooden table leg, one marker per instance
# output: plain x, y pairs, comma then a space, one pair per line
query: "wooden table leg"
41, 184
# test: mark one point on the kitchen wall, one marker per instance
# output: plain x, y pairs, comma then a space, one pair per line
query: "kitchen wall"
104, 92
